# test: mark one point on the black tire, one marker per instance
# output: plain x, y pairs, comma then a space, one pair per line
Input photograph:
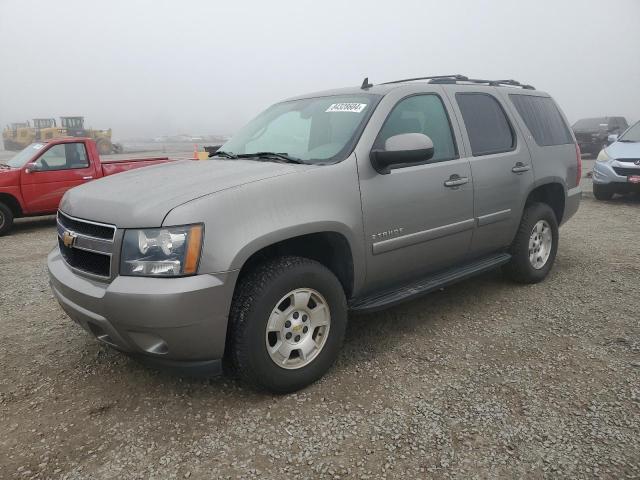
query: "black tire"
520, 269
255, 298
6, 219
602, 192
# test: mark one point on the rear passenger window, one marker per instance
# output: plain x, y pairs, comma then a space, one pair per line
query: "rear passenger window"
543, 119
487, 125
421, 114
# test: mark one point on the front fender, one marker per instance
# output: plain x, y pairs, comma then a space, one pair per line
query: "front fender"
10, 188
243, 220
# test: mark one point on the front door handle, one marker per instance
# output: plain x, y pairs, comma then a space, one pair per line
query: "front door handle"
87, 178
455, 180
520, 168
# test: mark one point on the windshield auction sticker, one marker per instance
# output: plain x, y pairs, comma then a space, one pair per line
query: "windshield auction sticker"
346, 107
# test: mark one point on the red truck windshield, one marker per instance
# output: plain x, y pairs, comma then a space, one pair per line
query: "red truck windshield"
25, 155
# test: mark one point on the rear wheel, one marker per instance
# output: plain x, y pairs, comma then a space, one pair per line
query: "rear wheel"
535, 246
6, 219
288, 320
602, 192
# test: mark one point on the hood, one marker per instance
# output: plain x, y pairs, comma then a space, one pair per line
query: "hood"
142, 198
623, 150
9, 177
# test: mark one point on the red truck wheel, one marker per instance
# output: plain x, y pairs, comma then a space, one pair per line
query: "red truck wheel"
6, 219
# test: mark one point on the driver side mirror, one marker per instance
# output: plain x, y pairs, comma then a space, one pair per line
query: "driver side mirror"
402, 150
33, 167
612, 138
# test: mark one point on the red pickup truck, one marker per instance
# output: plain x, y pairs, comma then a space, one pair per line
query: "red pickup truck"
34, 181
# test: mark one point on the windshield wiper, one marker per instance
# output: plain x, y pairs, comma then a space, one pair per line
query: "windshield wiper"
4, 165
282, 157
628, 141
220, 153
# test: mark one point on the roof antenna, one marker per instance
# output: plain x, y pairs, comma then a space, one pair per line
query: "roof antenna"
366, 84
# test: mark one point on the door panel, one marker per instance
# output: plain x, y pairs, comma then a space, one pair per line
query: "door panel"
500, 165
62, 167
413, 223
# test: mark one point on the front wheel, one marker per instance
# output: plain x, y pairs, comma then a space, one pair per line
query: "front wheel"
602, 192
534, 249
287, 324
6, 219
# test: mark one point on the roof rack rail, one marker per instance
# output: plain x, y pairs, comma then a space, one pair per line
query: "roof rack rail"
491, 83
452, 79
436, 77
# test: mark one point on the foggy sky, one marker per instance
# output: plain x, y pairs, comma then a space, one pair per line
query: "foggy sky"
149, 68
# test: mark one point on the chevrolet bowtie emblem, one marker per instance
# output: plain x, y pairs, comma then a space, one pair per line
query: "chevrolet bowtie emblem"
68, 238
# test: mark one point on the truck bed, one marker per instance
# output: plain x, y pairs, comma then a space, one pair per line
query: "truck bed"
113, 166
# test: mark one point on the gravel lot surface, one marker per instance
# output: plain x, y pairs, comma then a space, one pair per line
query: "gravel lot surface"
483, 379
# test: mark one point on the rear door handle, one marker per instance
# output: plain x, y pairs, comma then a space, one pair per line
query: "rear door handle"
521, 167
87, 178
455, 180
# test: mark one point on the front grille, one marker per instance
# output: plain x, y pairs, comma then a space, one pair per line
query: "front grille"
625, 172
628, 160
90, 229
84, 260
86, 246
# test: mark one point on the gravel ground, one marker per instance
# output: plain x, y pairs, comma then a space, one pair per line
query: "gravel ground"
483, 379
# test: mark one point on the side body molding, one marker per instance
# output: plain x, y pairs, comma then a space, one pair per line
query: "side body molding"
423, 236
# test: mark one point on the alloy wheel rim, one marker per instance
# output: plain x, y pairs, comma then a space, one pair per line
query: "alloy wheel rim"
298, 328
540, 243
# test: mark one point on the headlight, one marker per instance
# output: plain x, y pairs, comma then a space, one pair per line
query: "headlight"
603, 157
161, 252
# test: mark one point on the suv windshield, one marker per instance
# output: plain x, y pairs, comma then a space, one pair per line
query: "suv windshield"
21, 158
591, 124
631, 135
314, 130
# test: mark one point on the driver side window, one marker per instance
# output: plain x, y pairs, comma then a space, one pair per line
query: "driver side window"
424, 114
64, 156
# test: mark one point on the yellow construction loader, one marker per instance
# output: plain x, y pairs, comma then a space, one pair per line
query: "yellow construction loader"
17, 135
45, 129
74, 127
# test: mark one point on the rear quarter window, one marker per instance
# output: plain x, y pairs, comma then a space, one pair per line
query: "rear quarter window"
543, 119
487, 124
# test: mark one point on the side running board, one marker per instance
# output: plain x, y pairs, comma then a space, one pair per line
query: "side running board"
386, 298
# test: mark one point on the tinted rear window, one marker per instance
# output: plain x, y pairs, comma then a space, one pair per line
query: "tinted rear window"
543, 120
487, 125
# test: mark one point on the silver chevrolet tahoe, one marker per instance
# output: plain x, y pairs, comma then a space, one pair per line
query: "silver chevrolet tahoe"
345, 200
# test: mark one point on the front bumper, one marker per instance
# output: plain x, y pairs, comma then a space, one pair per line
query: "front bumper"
171, 320
603, 173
